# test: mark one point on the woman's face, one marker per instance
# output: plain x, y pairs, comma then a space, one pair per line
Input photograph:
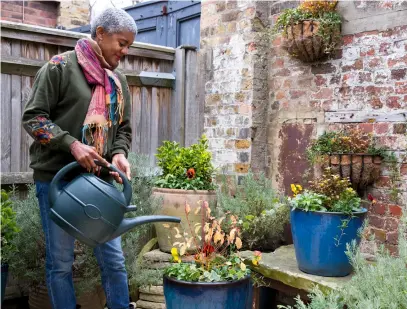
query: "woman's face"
114, 45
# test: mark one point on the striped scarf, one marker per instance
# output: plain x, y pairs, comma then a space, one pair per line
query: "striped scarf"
106, 104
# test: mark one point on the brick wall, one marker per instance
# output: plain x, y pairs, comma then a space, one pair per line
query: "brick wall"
236, 83
368, 74
41, 13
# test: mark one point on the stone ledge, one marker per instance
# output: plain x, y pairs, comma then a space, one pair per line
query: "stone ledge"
281, 266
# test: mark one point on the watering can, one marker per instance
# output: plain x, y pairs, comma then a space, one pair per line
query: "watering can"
92, 210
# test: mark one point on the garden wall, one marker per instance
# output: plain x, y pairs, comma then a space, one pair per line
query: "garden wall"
264, 107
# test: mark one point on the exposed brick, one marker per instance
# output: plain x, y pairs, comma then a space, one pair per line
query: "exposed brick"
376, 103
278, 63
320, 80
378, 208
392, 238
357, 65
384, 48
393, 102
379, 234
381, 128
376, 221
323, 69
366, 33
347, 39
401, 87
399, 128
295, 94
323, 94
396, 210
391, 224
397, 61
367, 52
403, 169
366, 127
398, 74
242, 144
365, 77
242, 168
392, 249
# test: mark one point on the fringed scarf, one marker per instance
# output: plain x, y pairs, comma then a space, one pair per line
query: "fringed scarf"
106, 105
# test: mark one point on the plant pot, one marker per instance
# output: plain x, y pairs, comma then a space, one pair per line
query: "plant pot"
173, 204
361, 169
208, 295
38, 298
4, 277
301, 40
319, 242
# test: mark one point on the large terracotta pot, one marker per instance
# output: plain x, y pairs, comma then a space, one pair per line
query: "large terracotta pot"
38, 299
173, 204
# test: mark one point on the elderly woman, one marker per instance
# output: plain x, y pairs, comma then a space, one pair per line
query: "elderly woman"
79, 109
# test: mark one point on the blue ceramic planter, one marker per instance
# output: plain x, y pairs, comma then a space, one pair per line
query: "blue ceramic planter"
4, 277
314, 234
208, 295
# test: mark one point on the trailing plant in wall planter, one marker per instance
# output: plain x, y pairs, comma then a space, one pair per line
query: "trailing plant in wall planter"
324, 219
186, 177
214, 276
310, 31
351, 154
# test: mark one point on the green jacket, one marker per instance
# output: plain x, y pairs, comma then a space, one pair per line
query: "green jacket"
56, 110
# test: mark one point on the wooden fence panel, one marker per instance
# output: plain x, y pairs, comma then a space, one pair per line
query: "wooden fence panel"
158, 79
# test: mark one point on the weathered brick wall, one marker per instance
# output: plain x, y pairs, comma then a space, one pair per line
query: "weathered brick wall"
367, 75
73, 13
235, 83
40, 13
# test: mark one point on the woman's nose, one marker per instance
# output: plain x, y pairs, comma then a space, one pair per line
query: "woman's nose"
125, 51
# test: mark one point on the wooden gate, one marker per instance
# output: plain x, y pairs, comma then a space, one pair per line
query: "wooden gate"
162, 83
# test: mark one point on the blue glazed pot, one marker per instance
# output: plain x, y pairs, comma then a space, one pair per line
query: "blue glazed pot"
4, 276
208, 295
315, 237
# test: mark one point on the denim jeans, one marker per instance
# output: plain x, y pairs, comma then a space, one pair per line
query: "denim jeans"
60, 257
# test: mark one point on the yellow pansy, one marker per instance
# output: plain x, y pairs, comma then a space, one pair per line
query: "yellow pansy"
175, 256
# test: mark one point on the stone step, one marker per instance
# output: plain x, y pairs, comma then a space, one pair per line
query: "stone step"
156, 290
152, 298
141, 304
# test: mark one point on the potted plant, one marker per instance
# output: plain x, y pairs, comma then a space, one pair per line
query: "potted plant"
381, 284
215, 276
351, 154
187, 174
264, 213
310, 31
324, 219
27, 261
9, 229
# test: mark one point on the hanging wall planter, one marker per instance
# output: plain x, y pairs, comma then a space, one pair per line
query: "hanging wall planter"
361, 169
302, 40
311, 31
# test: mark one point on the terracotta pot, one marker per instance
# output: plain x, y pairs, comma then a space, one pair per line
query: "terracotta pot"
173, 204
301, 40
38, 299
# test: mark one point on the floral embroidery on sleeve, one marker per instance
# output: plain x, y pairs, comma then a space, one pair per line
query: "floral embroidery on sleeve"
41, 129
59, 59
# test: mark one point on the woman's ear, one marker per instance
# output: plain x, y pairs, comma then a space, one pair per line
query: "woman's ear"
100, 33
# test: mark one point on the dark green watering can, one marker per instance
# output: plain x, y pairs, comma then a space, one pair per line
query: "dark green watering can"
92, 210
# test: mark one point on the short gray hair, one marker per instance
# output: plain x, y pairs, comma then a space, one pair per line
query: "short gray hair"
113, 21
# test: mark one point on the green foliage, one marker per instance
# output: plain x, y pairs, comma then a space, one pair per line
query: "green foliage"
223, 269
343, 142
8, 224
378, 285
188, 168
309, 201
263, 212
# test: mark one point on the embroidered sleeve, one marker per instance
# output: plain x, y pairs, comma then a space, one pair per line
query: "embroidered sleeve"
43, 99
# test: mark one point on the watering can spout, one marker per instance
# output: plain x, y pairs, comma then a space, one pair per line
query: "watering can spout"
128, 224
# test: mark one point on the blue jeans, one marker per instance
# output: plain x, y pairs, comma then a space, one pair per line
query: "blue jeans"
60, 257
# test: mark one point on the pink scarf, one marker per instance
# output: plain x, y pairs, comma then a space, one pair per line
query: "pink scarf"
107, 96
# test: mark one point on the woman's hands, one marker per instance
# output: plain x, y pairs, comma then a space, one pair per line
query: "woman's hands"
86, 156
120, 161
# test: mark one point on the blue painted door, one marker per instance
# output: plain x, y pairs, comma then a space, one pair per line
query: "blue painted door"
167, 23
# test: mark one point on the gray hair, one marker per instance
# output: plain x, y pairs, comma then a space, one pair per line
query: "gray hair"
113, 21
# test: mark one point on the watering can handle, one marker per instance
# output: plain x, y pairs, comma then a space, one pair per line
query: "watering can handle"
54, 191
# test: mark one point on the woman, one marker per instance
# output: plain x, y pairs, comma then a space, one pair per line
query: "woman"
79, 109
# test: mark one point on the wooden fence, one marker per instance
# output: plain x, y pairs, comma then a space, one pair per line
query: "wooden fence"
163, 82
